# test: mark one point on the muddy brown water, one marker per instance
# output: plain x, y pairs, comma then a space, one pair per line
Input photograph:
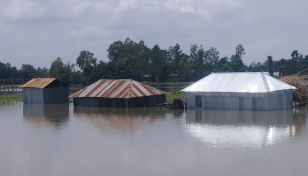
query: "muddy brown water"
66, 140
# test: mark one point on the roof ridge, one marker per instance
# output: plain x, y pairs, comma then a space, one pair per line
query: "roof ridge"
265, 82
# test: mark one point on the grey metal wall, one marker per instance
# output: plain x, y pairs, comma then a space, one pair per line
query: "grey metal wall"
276, 100
33, 95
45, 96
55, 95
148, 101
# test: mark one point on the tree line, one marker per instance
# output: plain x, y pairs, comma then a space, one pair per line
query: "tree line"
132, 60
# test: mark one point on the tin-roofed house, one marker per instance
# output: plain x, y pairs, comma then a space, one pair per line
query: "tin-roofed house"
45, 91
239, 91
124, 93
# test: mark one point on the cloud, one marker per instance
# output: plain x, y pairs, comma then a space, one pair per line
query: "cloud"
126, 4
77, 9
62, 28
17, 9
205, 8
185, 6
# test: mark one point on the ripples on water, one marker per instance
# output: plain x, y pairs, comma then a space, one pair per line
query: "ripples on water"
67, 140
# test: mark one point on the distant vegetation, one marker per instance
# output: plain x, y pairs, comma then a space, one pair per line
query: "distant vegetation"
300, 95
4, 99
129, 59
175, 94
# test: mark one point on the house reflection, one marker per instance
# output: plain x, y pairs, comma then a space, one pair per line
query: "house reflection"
118, 119
241, 129
46, 114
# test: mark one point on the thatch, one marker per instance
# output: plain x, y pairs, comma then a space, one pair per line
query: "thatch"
301, 93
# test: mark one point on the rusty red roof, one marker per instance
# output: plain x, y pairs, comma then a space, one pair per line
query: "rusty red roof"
117, 88
40, 82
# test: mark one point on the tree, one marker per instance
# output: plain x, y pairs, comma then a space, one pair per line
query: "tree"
56, 68
236, 63
27, 72
86, 62
156, 61
212, 57
4, 70
42, 72
270, 65
177, 56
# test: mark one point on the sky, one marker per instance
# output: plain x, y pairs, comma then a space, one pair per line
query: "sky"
36, 32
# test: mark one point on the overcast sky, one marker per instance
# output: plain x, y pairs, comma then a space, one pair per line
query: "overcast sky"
36, 32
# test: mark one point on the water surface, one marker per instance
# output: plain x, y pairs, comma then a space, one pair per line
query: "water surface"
67, 140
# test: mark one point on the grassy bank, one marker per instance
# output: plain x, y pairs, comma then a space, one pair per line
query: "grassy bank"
10, 98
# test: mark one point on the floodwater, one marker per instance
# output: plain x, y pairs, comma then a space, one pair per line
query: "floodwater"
65, 140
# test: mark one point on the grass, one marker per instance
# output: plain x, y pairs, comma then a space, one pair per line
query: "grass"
6, 99
175, 94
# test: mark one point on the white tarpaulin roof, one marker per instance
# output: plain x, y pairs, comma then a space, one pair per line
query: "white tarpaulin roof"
252, 82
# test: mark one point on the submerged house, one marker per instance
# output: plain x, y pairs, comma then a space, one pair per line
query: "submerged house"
255, 91
45, 91
125, 93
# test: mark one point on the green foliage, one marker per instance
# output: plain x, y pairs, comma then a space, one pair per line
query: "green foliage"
134, 60
5, 99
87, 62
62, 71
175, 94
270, 65
27, 72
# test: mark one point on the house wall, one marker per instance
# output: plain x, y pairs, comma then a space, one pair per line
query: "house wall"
276, 100
148, 101
45, 96
33, 95
86, 101
55, 95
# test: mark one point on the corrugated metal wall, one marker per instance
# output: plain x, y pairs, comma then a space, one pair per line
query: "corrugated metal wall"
33, 95
45, 96
147, 101
277, 100
56, 95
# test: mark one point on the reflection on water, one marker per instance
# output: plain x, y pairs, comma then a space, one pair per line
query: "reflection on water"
118, 119
46, 114
60, 140
242, 129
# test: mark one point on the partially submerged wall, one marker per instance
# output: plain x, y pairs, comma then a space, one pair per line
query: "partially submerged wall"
276, 100
32, 95
147, 101
45, 96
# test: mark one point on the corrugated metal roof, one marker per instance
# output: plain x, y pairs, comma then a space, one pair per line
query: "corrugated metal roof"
117, 88
252, 82
39, 82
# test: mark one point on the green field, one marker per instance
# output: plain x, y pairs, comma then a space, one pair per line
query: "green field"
4, 99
